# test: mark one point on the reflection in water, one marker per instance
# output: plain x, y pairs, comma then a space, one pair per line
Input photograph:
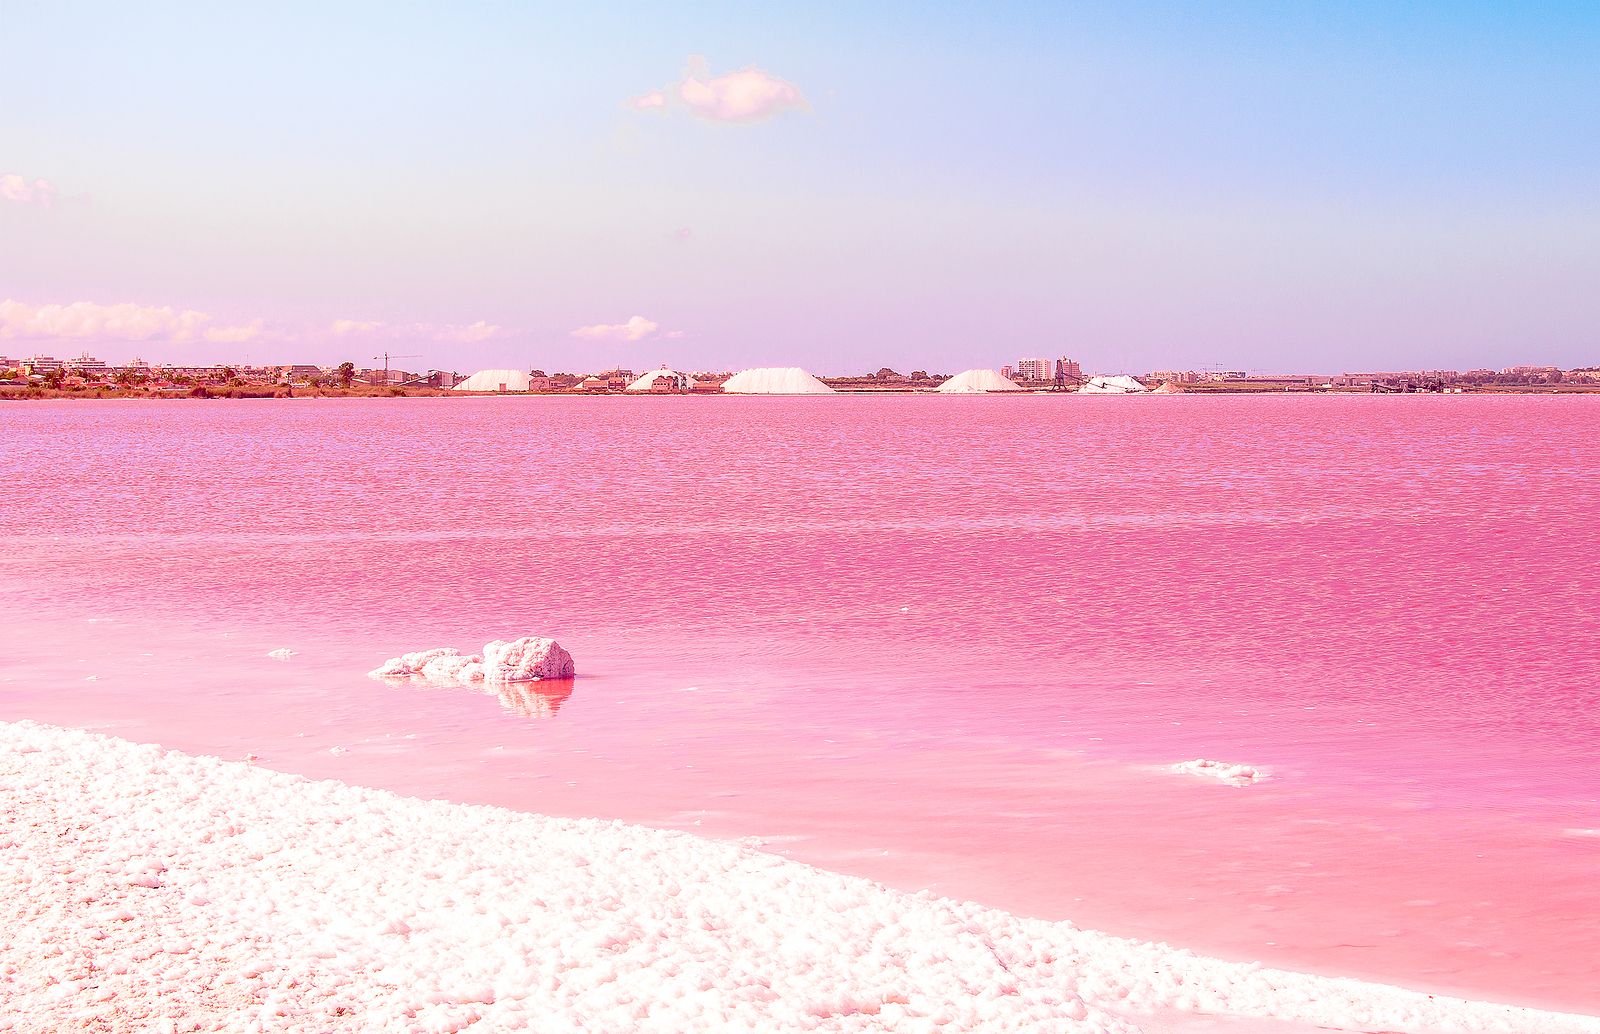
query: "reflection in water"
539, 698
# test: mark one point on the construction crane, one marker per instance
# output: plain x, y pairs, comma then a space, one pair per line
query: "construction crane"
386, 357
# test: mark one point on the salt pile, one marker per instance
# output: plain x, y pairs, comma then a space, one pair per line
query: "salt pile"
665, 378
975, 382
774, 380
1120, 385
495, 380
1235, 775
520, 660
155, 890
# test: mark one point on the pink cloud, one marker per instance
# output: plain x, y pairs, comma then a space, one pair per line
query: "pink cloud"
655, 100
17, 190
748, 95
635, 329
124, 321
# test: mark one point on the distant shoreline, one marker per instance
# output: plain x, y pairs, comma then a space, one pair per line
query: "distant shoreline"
39, 394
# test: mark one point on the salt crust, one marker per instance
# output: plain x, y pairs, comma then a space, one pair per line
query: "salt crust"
528, 659
154, 890
1235, 775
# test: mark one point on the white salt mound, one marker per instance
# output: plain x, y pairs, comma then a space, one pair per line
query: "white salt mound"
154, 890
790, 380
283, 653
1235, 775
520, 660
495, 380
977, 382
1120, 385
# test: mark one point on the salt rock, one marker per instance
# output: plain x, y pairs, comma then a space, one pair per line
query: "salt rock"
525, 660
529, 659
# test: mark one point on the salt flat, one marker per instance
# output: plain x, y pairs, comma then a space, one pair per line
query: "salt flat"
156, 890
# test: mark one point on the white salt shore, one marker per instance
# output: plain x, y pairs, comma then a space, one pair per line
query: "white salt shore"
153, 890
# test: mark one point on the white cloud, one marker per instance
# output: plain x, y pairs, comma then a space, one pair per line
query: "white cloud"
124, 321
482, 330
129, 321
233, 335
635, 329
748, 95
479, 331
343, 328
19, 191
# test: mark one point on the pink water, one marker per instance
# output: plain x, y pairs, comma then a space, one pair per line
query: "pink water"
943, 642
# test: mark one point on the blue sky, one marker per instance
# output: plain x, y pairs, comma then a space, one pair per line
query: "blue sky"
1267, 186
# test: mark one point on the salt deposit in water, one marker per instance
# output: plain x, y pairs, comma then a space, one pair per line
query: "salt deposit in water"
527, 659
283, 653
977, 382
1234, 775
193, 893
775, 380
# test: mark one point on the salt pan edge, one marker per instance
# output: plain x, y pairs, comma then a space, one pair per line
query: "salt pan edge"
162, 887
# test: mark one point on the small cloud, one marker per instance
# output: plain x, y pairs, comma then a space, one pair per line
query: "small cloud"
635, 329
655, 100
673, 334
343, 328
17, 190
482, 330
681, 235
747, 95
233, 335
479, 331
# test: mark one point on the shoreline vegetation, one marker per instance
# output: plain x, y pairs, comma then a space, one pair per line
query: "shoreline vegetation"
845, 386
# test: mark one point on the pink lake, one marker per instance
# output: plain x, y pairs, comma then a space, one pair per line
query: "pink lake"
944, 642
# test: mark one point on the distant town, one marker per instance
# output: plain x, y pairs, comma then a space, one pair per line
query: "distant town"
85, 375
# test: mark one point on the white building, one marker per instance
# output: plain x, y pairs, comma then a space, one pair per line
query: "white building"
1036, 369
